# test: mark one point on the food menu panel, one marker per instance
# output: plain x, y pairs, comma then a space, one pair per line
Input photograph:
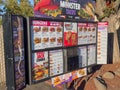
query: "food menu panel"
56, 62
19, 60
40, 65
102, 43
70, 34
92, 27
46, 34
86, 33
82, 52
91, 54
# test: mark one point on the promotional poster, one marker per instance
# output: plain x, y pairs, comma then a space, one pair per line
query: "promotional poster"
70, 34
102, 43
59, 80
19, 60
40, 66
46, 34
67, 9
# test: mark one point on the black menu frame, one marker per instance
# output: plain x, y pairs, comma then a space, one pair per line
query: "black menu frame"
30, 51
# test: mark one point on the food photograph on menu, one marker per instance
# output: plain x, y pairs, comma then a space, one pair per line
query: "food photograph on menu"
56, 62
70, 34
82, 52
40, 66
92, 54
46, 34
86, 33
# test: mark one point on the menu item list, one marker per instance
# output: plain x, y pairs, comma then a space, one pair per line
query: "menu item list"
56, 62
86, 33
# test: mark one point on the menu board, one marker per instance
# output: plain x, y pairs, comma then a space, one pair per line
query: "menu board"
46, 34
40, 65
18, 42
65, 9
91, 54
70, 34
82, 52
56, 62
102, 43
86, 33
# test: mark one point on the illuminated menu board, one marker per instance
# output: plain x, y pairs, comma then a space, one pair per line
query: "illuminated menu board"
46, 34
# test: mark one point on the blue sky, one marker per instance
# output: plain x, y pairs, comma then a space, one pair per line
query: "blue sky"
32, 2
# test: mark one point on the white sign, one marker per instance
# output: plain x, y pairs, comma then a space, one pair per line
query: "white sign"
102, 43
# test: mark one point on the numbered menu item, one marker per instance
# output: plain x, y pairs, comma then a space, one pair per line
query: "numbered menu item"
82, 52
86, 33
56, 62
46, 34
40, 65
102, 43
70, 34
91, 54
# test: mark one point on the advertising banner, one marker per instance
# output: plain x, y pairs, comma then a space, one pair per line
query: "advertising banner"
19, 58
102, 43
70, 34
59, 80
40, 66
66, 9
